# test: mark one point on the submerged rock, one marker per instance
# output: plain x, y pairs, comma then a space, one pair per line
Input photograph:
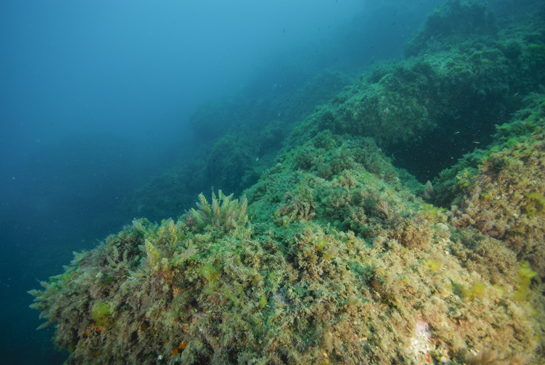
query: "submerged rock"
332, 262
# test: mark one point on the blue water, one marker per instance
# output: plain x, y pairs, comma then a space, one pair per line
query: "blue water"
95, 99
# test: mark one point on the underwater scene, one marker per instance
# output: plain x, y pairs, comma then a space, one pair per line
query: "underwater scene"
364, 185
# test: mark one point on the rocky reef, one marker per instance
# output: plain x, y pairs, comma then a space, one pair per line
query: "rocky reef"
500, 190
329, 262
335, 255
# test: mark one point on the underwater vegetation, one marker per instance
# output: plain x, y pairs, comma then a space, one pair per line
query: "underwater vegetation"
334, 255
327, 263
500, 191
453, 22
460, 86
455, 87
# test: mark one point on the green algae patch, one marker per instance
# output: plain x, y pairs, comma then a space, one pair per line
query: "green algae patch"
210, 273
525, 275
433, 265
263, 301
436, 214
535, 204
477, 290
100, 314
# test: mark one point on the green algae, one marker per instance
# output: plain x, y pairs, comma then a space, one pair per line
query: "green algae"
525, 275
100, 313
535, 204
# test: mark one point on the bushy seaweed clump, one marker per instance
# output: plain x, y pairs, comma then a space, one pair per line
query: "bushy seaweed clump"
224, 213
347, 267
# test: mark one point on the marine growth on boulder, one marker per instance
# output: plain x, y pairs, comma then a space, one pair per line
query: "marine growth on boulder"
329, 262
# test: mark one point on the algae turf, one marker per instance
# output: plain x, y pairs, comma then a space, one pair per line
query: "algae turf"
385, 284
501, 191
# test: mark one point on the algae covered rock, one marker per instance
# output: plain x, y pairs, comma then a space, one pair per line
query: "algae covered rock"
500, 191
452, 22
461, 91
333, 262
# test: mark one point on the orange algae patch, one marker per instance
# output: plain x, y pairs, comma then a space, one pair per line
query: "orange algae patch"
179, 348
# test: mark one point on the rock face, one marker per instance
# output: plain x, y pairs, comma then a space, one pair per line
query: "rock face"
500, 191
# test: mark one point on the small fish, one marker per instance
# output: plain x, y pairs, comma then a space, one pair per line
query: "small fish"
456, 132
